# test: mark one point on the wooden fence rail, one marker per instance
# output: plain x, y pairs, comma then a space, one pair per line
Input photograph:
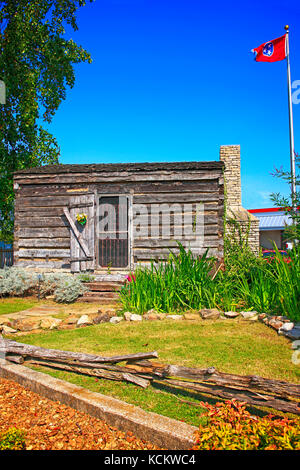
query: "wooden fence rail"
140, 370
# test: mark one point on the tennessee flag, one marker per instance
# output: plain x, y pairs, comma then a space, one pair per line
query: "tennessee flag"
271, 51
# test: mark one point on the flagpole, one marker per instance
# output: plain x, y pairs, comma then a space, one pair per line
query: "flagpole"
292, 145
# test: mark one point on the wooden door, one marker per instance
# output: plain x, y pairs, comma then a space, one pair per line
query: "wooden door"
113, 232
82, 238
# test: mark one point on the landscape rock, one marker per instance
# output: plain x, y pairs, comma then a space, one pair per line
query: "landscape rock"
102, 317
135, 317
49, 323
262, 316
210, 313
71, 320
174, 317
191, 316
293, 334
26, 324
249, 315
116, 320
154, 316
127, 316
84, 320
231, 314
5, 321
7, 330
282, 318
287, 326
276, 324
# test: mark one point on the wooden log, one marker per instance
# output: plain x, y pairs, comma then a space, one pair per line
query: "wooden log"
12, 347
44, 242
220, 378
40, 222
43, 253
247, 396
43, 263
145, 255
120, 177
209, 230
208, 241
160, 198
39, 190
94, 372
44, 232
163, 253
15, 359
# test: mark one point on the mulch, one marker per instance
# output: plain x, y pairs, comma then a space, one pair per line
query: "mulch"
51, 425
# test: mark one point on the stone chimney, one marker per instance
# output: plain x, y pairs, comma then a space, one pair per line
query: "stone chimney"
231, 156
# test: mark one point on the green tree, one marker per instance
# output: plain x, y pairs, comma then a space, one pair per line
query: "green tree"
290, 204
37, 66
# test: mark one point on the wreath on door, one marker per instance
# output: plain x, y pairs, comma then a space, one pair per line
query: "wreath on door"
81, 219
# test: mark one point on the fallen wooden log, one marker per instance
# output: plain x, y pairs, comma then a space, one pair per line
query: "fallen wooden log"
232, 380
99, 373
247, 396
12, 347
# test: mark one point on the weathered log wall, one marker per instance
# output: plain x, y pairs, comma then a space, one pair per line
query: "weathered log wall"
42, 232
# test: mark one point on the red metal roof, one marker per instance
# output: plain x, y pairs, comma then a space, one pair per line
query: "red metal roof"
270, 209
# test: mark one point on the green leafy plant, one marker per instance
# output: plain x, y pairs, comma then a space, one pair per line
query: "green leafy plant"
290, 204
231, 427
13, 439
85, 277
287, 276
180, 283
37, 65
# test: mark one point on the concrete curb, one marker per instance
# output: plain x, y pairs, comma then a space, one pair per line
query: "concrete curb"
160, 430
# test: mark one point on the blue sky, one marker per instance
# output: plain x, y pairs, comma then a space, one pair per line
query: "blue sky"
172, 80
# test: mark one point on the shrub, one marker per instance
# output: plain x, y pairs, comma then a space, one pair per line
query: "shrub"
13, 439
69, 289
16, 281
231, 427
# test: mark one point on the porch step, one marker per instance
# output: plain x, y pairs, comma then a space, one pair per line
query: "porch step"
105, 292
104, 286
99, 300
108, 295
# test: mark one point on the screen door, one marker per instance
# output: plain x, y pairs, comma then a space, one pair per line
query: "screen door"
113, 231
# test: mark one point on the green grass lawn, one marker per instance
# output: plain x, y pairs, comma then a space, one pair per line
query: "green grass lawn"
233, 346
16, 304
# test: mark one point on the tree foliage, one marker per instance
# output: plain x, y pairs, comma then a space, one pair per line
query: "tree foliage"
290, 204
37, 66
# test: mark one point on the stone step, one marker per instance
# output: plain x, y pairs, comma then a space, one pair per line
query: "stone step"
109, 295
104, 286
96, 299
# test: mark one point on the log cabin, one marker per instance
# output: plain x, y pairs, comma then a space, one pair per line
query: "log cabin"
113, 217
